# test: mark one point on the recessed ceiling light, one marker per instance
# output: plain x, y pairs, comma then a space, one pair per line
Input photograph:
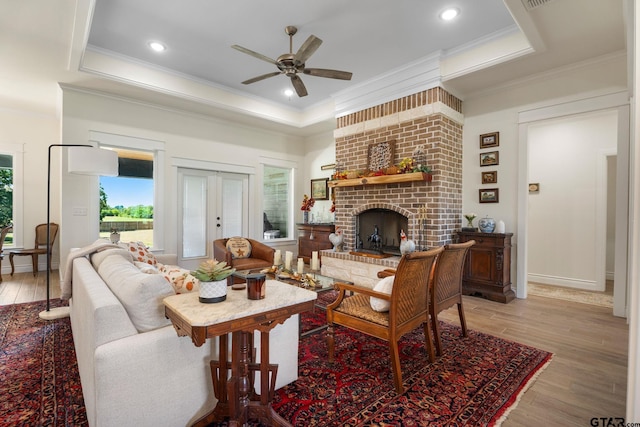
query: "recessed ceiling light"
288, 93
449, 14
157, 46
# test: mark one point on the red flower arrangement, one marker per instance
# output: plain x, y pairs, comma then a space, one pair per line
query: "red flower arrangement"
307, 203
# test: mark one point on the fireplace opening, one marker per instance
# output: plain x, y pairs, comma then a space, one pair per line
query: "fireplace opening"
378, 231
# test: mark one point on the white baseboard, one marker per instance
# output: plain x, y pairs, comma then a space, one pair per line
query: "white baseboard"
588, 285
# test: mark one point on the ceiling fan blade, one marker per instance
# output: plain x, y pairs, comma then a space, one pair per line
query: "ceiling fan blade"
262, 77
307, 49
254, 54
298, 86
331, 74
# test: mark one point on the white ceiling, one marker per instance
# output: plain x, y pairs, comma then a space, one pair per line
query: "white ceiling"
102, 45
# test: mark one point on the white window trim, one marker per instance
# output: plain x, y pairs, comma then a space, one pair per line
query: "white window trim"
293, 167
102, 139
17, 152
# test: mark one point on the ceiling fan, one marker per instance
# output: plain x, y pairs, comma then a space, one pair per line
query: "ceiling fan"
291, 64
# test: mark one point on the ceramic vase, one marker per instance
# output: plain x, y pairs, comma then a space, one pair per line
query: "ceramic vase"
487, 225
211, 292
305, 217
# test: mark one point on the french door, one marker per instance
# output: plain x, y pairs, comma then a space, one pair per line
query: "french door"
214, 205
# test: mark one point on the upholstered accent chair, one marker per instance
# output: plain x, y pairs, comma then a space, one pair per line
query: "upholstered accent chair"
408, 308
261, 256
39, 247
446, 289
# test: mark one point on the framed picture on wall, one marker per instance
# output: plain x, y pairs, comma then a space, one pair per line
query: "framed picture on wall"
489, 195
490, 140
490, 158
320, 189
489, 177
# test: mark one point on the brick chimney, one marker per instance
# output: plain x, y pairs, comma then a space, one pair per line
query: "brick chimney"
431, 119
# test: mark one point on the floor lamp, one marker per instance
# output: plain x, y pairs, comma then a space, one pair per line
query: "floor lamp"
83, 159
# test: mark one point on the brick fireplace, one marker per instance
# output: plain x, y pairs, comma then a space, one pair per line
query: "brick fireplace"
432, 120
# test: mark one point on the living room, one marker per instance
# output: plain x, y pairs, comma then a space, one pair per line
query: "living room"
205, 137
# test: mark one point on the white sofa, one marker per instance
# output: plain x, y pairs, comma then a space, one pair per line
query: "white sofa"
151, 377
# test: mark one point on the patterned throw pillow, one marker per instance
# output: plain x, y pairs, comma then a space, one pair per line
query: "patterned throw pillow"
384, 286
141, 253
239, 247
181, 280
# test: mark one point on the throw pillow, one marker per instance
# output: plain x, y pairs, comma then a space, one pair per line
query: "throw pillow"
141, 253
181, 280
384, 286
239, 247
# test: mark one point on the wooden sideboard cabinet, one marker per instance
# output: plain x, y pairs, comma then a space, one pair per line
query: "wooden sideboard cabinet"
487, 270
313, 237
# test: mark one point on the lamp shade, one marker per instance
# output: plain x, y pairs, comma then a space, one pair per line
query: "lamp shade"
93, 161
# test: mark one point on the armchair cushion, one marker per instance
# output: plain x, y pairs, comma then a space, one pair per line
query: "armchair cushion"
239, 247
385, 286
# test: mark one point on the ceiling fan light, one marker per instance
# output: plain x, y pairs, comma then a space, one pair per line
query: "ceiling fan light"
288, 93
449, 14
157, 46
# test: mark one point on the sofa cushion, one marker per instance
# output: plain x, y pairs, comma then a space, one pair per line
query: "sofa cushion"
239, 247
140, 252
141, 294
384, 286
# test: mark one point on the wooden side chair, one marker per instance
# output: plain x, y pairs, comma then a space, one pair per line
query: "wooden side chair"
3, 236
446, 289
40, 247
408, 308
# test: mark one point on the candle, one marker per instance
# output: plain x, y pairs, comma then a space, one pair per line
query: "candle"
287, 260
314, 260
277, 257
300, 265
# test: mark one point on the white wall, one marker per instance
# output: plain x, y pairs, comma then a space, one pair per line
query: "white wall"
185, 136
567, 157
498, 111
35, 133
320, 150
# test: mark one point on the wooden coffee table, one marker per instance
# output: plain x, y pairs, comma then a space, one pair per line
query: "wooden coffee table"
240, 316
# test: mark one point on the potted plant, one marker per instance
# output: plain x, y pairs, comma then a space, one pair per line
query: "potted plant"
213, 280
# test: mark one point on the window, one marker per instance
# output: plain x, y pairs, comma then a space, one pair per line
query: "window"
127, 200
277, 212
11, 190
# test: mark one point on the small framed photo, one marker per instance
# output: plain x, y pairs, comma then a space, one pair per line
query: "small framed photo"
489, 177
320, 189
490, 158
489, 195
490, 140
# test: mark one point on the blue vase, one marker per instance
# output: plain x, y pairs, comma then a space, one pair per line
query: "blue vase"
487, 225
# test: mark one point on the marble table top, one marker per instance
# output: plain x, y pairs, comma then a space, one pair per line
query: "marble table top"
237, 305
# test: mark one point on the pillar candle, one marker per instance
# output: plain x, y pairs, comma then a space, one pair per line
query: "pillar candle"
277, 257
287, 260
314, 260
300, 265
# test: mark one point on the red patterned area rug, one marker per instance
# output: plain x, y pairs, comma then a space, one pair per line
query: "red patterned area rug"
39, 381
475, 383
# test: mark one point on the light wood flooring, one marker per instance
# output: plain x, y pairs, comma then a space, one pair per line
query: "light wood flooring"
586, 379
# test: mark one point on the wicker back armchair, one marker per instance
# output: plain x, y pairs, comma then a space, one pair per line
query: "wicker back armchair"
446, 289
39, 248
408, 308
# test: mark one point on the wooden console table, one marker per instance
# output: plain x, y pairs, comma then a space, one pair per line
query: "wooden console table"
487, 270
313, 237
240, 316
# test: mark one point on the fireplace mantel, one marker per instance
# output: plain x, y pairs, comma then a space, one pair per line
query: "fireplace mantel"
382, 179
